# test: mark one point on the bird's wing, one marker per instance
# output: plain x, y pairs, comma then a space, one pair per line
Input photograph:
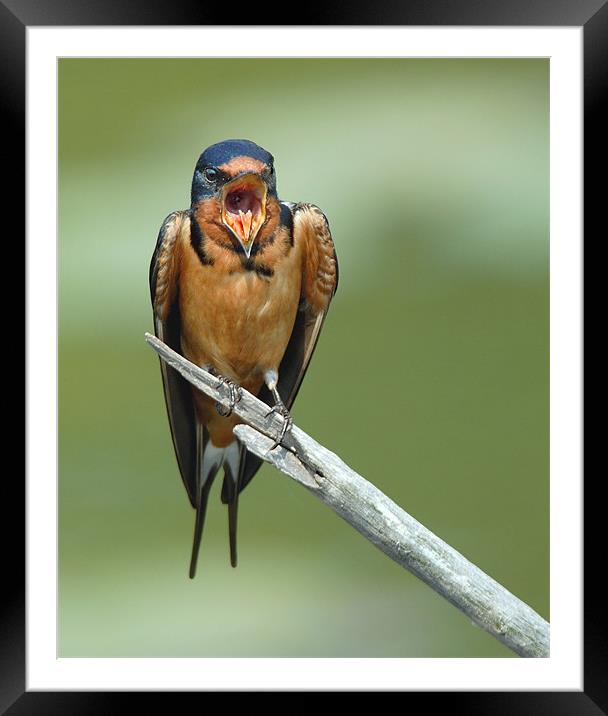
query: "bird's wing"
319, 284
164, 269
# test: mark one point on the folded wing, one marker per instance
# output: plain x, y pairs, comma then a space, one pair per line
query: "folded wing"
164, 269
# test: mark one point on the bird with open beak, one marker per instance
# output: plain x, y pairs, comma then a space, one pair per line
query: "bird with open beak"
240, 285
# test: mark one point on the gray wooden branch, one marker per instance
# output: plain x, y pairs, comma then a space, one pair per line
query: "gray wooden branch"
376, 517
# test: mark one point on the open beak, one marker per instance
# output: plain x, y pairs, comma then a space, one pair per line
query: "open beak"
244, 208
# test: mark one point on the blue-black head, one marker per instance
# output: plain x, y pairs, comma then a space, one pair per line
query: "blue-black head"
224, 161
239, 175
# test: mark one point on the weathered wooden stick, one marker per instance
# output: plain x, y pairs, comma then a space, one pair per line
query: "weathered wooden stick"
376, 517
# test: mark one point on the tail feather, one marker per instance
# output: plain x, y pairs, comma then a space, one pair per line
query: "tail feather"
209, 461
201, 510
232, 515
233, 468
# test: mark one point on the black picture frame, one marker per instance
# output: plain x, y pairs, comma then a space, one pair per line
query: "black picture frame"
15, 17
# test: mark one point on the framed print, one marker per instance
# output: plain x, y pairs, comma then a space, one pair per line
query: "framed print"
448, 162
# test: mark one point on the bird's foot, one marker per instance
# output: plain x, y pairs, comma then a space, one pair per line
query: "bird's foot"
281, 410
235, 393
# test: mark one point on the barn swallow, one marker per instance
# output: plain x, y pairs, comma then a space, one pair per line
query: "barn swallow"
240, 285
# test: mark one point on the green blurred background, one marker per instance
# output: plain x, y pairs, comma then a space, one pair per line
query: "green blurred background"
434, 175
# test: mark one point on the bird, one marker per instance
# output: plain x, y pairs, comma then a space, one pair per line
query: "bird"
240, 284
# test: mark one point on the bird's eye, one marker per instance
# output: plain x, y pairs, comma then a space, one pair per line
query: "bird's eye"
210, 174
271, 170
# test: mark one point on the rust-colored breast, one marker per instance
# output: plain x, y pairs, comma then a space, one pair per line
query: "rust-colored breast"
234, 318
